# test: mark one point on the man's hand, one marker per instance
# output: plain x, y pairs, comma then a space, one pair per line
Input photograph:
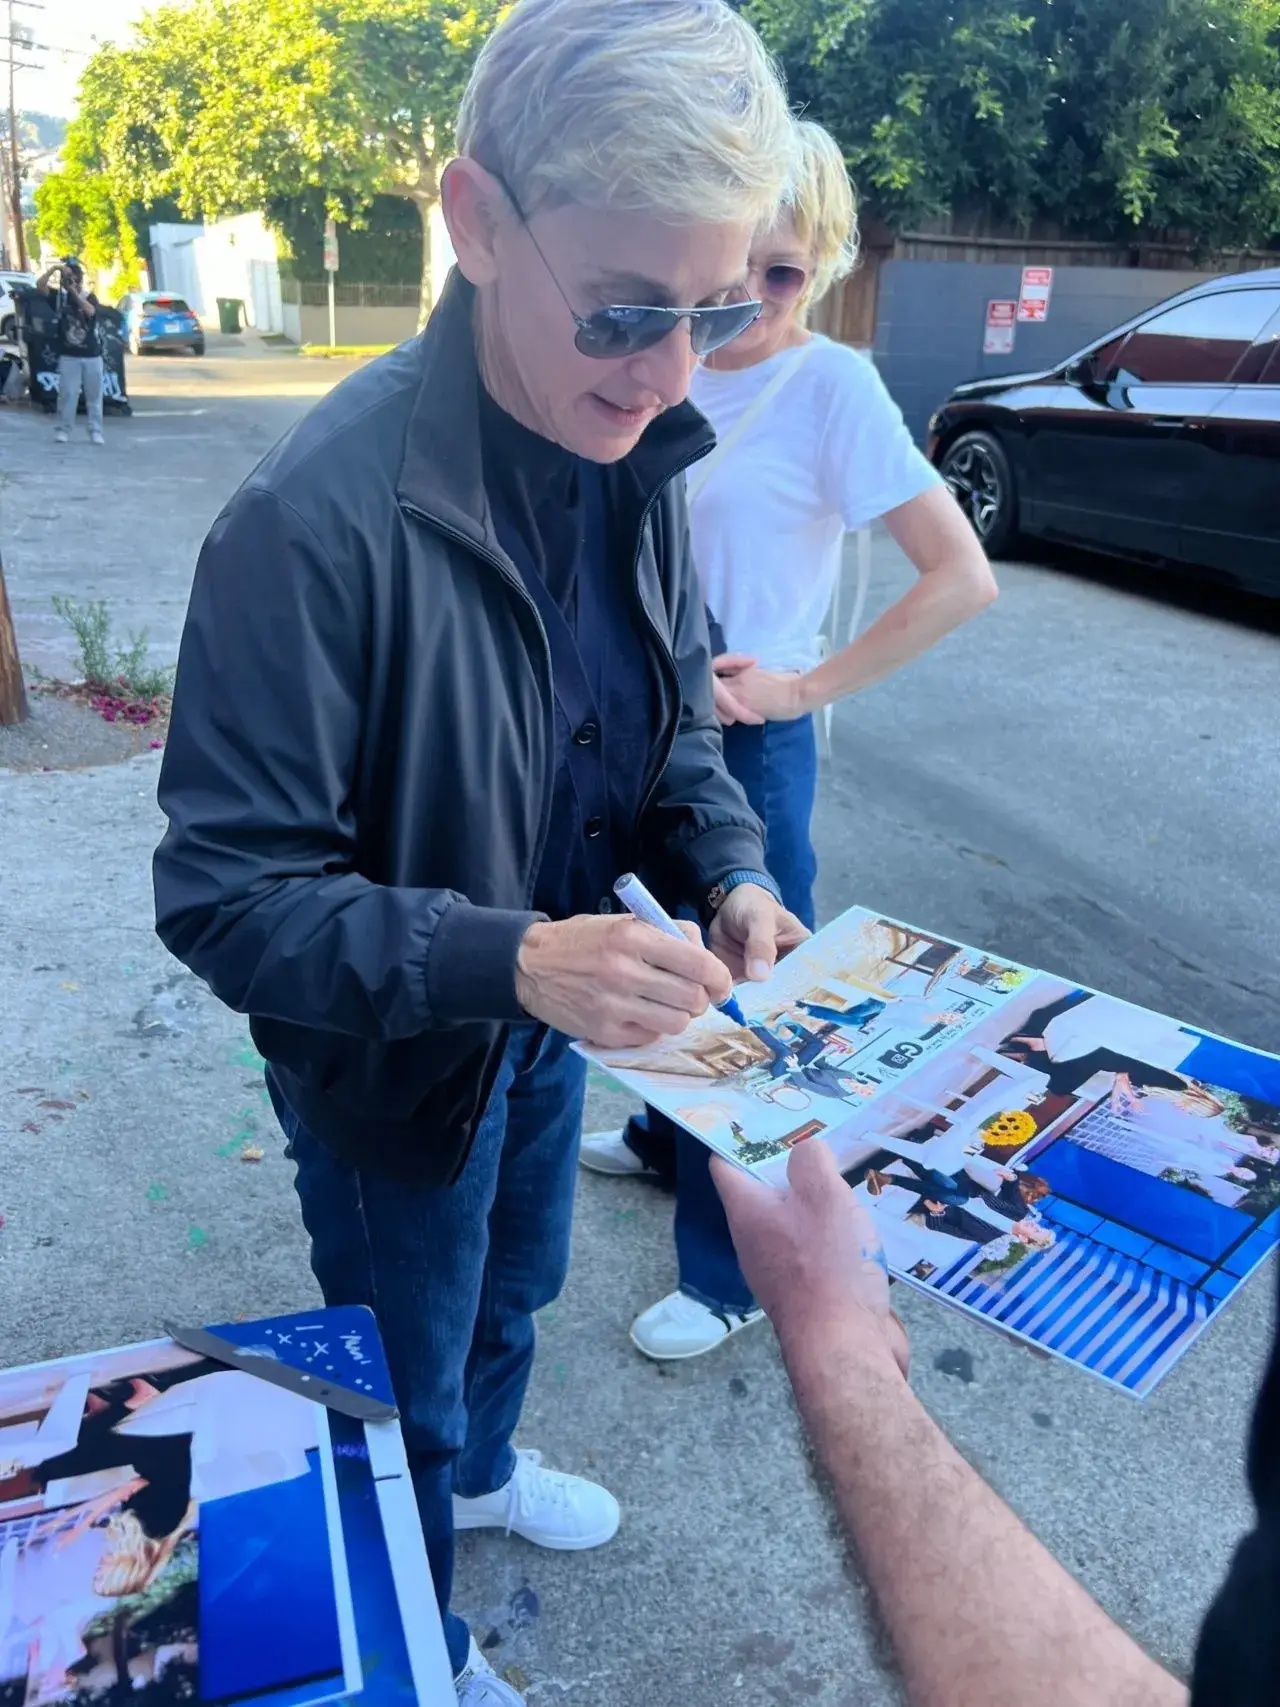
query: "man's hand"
724, 672
751, 932
810, 1251
615, 981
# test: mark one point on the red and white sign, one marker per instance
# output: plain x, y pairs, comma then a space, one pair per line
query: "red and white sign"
1001, 326
1037, 286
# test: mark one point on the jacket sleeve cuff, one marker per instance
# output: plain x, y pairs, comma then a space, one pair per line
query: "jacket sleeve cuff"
712, 855
471, 967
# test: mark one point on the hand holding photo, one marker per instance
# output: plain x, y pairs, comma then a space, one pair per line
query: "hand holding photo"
1092, 1176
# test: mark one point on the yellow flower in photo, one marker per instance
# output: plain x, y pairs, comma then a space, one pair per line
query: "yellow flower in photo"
1006, 1131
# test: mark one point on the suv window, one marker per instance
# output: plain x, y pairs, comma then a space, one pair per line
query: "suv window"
1198, 343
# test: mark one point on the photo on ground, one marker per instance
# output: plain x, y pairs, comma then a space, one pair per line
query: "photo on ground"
169, 1531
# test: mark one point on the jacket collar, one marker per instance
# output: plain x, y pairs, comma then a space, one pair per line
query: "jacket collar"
442, 471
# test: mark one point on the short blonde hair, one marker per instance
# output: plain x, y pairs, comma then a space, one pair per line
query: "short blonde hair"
821, 202
666, 107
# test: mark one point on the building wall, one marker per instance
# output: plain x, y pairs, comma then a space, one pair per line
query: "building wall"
931, 317
308, 324
232, 257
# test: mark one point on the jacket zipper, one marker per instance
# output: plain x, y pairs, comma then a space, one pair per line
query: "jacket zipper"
514, 582
664, 651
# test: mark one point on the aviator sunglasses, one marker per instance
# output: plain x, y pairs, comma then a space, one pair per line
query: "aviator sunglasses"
626, 329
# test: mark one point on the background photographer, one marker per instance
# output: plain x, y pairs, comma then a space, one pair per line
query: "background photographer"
79, 348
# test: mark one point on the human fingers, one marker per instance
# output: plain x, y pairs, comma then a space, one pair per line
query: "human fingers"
732, 663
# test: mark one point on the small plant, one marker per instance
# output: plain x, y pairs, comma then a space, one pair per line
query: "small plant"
127, 675
91, 625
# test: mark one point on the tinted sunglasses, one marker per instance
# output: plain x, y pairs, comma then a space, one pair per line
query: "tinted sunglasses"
626, 329
784, 282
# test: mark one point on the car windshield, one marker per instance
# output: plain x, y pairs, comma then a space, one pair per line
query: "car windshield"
165, 305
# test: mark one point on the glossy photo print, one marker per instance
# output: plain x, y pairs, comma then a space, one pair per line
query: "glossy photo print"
1092, 1176
169, 1531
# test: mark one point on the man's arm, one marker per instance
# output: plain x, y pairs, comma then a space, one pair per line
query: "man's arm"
938, 1547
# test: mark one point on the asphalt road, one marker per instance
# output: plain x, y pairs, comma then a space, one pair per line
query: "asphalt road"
1087, 779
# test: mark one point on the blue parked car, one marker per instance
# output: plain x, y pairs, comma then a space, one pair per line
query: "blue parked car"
158, 320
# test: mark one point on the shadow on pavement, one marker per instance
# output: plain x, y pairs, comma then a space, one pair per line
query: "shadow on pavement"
1198, 591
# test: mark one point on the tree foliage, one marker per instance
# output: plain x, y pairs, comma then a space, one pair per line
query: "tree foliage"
227, 106
79, 211
1097, 116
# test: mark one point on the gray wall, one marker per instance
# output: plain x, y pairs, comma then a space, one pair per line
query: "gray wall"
931, 317
308, 325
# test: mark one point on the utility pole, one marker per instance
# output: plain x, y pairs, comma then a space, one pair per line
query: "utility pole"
13, 696
15, 164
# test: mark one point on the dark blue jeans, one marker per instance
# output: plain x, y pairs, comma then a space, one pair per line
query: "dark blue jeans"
454, 1275
777, 765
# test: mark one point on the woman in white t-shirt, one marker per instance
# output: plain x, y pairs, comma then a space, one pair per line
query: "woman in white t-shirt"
810, 446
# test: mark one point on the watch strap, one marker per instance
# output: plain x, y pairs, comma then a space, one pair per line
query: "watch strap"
734, 880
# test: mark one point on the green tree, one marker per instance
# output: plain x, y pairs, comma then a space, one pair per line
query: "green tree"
228, 105
75, 213
1099, 116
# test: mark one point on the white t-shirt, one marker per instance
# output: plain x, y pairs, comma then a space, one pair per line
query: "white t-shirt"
829, 452
1105, 1022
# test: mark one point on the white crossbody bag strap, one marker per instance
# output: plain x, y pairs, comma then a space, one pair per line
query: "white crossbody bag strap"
698, 476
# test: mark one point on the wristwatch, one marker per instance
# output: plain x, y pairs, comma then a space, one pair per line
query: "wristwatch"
762, 880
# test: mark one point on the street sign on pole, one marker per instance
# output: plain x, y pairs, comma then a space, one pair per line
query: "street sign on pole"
331, 267
1037, 287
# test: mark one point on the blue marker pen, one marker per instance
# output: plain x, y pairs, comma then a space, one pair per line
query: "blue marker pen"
641, 905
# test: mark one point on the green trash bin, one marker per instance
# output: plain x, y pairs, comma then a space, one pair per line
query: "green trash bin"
229, 308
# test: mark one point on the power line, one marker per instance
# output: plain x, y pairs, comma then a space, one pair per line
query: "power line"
15, 164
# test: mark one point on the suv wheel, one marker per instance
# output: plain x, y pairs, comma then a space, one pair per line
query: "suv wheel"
976, 468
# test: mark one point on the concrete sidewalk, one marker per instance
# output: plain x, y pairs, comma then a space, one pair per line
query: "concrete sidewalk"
129, 1099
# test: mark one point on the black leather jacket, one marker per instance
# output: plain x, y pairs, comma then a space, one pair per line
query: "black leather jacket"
359, 769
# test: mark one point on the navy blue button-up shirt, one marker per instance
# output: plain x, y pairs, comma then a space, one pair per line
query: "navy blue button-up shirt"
552, 517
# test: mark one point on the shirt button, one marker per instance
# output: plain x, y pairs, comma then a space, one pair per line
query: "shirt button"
592, 828
588, 733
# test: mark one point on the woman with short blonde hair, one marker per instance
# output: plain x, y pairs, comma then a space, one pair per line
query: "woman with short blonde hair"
811, 446
460, 601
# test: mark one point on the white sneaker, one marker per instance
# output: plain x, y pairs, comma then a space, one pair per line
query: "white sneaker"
609, 1153
60, 435
678, 1326
478, 1685
96, 439
566, 1513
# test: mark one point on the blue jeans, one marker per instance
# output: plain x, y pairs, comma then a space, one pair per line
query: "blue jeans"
777, 765
454, 1275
